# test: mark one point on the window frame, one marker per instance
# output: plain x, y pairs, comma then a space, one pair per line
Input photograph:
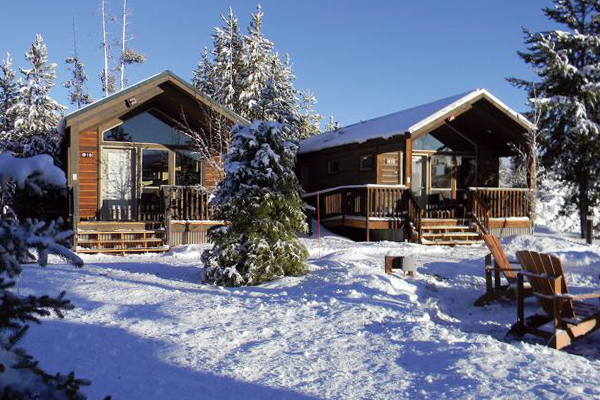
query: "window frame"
361, 166
332, 162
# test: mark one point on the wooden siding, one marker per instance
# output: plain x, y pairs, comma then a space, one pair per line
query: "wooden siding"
389, 167
88, 173
313, 167
211, 175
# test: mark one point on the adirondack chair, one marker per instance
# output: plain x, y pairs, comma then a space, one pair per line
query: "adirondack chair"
570, 317
495, 290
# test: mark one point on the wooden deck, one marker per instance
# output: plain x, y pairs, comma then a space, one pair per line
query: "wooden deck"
180, 215
372, 208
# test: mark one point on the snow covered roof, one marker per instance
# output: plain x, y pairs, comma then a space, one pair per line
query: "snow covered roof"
410, 120
158, 78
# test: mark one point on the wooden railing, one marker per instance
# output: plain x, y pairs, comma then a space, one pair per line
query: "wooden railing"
414, 213
368, 201
505, 202
185, 203
480, 211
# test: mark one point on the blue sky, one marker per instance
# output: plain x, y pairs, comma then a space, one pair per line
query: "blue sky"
362, 59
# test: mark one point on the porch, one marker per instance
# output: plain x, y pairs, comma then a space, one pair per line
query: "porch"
393, 212
174, 215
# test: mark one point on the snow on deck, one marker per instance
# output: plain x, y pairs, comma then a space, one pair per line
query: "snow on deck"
144, 328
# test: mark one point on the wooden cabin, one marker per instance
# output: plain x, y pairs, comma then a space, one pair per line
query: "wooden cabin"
428, 174
137, 183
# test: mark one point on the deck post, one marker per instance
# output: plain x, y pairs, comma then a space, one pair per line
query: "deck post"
367, 213
344, 209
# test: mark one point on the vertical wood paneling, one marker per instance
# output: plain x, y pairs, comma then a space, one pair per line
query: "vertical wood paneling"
88, 173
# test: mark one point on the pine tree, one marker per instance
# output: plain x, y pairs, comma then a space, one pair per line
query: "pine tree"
9, 94
332, 125
240, 71
259, 197
77, 94
128, 55
204, 79
228, 63
35, 114
20, 375
309, 119
567, 96
257, 65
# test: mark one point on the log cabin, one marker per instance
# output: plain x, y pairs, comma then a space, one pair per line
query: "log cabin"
428, 174
137, 183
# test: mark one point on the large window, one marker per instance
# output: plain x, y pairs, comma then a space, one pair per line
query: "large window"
466, 172
443, 144
188, 169
146, 128
155, 168
441, 172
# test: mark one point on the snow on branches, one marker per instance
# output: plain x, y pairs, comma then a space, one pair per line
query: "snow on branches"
259, 198
20, 375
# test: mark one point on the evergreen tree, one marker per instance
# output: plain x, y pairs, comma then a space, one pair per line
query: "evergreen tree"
567, 97
259, 197
20, 375
35, 114
242, 68
309, 119
128, 55
228, 63
204, 78
77, 94
9, 94
257, 61
332, 125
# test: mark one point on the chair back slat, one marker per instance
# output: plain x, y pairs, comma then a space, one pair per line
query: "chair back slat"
545, 264
493, 244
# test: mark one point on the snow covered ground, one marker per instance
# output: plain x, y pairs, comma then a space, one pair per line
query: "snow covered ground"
144, 328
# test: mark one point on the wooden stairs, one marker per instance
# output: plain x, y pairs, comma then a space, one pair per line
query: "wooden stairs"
448, 232
121, 238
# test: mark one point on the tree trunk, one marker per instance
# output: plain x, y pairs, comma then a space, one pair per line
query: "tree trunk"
584, 204
532, 182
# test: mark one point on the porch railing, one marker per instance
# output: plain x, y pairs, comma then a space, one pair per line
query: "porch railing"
480, 211
185, 203
368, 201
414, 213
504, 202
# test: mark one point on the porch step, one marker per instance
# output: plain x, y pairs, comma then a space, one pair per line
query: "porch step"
121, 241
426, 222
448, 232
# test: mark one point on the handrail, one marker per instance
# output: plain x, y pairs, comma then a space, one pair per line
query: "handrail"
505, 202
480, 212
414, 212
185, 202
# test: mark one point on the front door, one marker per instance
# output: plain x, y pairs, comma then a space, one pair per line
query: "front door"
118, 185
419, 179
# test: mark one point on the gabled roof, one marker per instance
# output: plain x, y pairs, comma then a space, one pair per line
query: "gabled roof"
153, 80
410, 121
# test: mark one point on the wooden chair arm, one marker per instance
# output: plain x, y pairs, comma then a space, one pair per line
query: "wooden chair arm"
583, 296
490, 268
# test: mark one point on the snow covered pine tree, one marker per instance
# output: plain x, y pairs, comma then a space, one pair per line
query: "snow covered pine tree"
568, 98
20, 375
260, 199
35, 113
